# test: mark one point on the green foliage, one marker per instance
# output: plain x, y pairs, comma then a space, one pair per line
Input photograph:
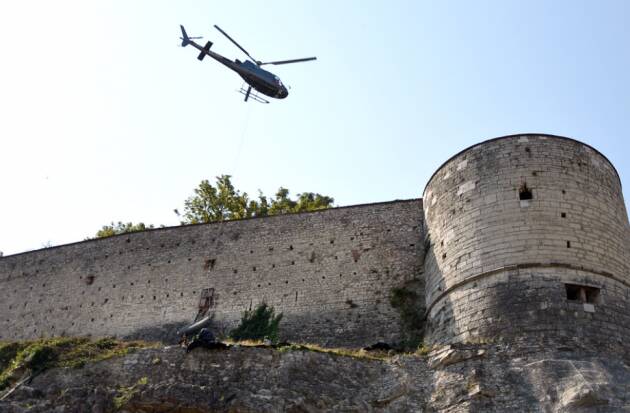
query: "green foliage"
106, 343
36, 356
307, 201
423, 350
258, 324
121, 228
344, 352
125, 394
224, 202
8, 351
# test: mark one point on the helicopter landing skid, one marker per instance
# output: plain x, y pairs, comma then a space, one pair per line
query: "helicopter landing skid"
249, 93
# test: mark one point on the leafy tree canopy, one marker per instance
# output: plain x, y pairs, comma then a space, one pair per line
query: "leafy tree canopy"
221, 202
121, 228
224, 202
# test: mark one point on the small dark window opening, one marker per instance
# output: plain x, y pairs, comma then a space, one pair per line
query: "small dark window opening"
563, 214
524, 193
582, 293
568, 244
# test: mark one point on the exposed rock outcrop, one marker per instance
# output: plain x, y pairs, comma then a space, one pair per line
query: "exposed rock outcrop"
487, 378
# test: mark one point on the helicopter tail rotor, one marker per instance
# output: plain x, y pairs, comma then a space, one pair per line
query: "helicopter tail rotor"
186, 40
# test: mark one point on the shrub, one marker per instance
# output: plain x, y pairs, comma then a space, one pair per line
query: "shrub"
258, 324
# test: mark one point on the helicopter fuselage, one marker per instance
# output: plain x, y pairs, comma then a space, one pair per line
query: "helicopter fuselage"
262, 80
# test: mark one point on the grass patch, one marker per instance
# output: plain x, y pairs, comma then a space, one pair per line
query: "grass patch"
126, 393
344, 352
33, 357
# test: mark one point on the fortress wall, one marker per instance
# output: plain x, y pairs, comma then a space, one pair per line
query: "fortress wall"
498, 266
330, 273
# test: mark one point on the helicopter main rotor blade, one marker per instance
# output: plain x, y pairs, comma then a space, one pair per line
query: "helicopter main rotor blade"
284, 62
234, 41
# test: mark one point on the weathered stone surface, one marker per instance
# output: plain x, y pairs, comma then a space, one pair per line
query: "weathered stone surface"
529, 293
488, 378
329, 272
497, 266
447, 355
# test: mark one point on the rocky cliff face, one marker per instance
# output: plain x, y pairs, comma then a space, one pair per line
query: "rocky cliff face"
463, 378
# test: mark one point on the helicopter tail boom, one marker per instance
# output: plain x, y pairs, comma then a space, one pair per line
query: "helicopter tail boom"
204, 51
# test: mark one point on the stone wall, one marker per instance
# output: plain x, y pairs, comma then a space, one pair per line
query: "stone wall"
501, 266
329, 272
525, 236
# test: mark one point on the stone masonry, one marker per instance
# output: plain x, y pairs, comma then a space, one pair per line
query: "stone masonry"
329, 272
519, 237
528, 238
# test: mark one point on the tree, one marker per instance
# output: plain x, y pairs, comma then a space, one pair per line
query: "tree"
212, 204
307, 201
121, 228
223, 202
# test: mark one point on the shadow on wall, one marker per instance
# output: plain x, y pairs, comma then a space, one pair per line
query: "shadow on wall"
409, 301
165, 333
440, 322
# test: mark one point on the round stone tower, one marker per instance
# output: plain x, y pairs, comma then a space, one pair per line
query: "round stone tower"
527, 238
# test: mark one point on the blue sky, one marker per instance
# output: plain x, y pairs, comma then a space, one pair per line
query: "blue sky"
104, 118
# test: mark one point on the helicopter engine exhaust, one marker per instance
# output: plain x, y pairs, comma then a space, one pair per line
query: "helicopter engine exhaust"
205, 49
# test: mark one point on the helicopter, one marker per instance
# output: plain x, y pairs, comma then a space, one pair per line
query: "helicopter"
250, 70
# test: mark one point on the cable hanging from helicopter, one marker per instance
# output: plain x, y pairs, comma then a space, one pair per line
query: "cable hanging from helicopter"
254, 76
